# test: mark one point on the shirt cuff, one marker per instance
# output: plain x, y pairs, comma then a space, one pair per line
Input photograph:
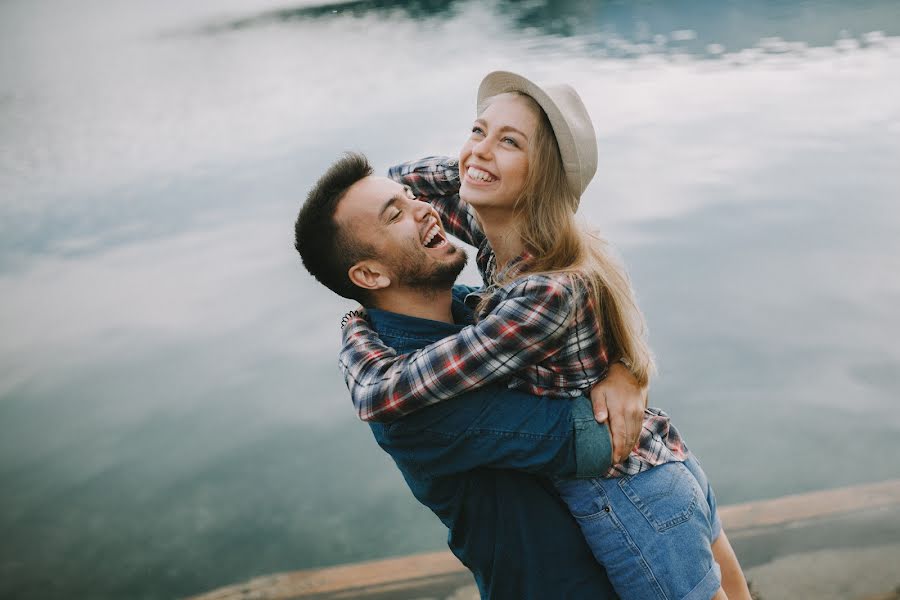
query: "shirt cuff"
593, 444
354, 325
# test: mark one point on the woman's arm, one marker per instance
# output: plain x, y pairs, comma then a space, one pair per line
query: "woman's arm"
435, 179
524, 329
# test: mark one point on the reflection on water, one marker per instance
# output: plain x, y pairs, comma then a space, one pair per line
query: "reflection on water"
420, 10
171, 415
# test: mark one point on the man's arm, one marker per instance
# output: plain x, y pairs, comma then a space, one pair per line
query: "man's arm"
496, 427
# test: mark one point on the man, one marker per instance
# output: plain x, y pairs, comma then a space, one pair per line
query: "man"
478, 461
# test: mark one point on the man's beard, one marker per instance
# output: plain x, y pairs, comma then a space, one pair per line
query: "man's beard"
414, 269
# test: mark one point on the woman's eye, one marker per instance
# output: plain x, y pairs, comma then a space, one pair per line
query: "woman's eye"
510, 141
477, 131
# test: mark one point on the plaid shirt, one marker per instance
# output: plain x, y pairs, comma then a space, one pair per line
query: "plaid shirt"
539, 331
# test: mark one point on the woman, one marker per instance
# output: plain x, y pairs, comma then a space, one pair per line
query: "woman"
556, 310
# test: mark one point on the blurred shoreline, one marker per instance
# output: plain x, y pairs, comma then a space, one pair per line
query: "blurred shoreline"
768, 536
172, 418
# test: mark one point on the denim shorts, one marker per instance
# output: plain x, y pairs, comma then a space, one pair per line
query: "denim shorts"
652, 532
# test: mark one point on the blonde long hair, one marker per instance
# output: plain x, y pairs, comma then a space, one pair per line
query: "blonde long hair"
545, 221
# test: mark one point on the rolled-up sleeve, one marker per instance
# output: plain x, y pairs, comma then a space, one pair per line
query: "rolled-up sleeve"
593, 444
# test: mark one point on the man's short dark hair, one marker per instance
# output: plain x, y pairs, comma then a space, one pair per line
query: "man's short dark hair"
327, 250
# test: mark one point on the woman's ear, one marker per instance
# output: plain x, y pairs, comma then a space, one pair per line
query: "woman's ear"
369, 275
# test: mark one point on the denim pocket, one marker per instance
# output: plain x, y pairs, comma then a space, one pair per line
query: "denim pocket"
666, 494
584, 497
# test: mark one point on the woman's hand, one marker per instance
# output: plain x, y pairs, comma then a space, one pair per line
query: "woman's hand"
620, 401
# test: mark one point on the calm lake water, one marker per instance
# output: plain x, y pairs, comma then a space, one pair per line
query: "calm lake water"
172, 418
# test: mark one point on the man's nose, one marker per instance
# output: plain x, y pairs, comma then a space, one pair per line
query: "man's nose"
422, 210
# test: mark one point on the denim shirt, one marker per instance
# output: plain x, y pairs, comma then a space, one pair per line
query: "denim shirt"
480, 462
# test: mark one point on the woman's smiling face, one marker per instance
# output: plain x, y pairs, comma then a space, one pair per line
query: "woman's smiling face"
493, 163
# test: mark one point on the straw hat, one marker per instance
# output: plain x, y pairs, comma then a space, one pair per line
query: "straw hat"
568, 117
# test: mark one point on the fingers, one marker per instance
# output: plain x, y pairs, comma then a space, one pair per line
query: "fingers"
620, 402
629, 424
637, 424
618, 429
598, 401
622, 429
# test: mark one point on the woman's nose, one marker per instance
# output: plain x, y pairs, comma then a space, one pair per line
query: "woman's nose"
482, 147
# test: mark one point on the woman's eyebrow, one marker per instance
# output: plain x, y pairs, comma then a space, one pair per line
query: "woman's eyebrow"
514, 130
504, 128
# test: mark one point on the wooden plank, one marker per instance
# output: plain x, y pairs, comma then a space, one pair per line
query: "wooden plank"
298, 584
403, 571
812, 505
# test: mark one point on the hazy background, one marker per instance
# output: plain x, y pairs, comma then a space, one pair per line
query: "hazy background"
172, 418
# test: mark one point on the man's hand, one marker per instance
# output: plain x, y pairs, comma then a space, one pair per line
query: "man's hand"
620, 401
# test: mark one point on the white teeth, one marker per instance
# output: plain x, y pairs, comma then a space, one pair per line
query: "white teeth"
430, 235
479, 175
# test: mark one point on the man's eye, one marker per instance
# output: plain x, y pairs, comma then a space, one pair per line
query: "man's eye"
396, 215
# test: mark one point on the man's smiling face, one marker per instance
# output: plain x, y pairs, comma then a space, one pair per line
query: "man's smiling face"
405, 234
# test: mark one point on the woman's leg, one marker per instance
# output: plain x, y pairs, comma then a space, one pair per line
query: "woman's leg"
733, 582
651, 531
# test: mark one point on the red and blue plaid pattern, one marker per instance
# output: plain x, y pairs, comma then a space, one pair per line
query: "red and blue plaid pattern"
436, 180
539, 331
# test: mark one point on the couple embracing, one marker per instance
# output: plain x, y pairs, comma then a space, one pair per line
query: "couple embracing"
516, 411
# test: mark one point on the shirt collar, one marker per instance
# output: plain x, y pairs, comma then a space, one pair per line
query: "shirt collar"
385, 321
510, 270
514, 267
